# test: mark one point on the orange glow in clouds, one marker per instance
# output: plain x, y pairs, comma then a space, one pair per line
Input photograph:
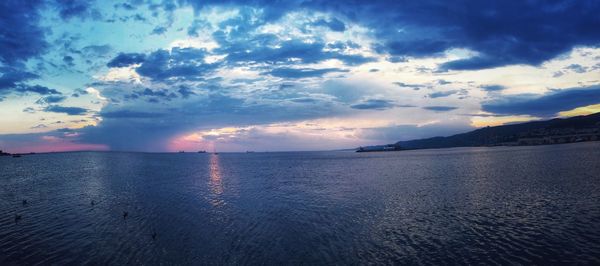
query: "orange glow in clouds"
190, 142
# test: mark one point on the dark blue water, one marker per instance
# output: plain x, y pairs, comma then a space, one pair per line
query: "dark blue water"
524, 205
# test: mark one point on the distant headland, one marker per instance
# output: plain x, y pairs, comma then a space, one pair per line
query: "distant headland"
554, 131
2, 153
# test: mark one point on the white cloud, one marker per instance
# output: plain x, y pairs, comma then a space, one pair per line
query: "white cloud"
125, 74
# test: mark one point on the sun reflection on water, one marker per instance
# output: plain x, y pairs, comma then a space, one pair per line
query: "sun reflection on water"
215, 183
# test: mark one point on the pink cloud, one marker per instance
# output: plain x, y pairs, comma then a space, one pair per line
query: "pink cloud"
49, 144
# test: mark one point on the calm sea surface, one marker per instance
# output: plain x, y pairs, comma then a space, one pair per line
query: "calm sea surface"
524, 205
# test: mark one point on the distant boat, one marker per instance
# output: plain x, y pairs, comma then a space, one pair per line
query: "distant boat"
202, 151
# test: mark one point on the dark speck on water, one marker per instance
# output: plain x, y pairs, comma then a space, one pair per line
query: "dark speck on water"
501, 205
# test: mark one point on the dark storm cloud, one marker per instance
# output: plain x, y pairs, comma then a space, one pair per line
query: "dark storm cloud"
130, 114
178, 64
192, 30
51, 99
440, 94
547, 105
126, 59
421, 48
304, 100
374, 104
243, 47
66, 110
185, 91
78, 92
130, 134
11, 77
158, 30
67, 59
295, 73
351, 59
139, 17
21, 37
155, 95
577, 68
36, 89
73, 8
126, 6
286, 51
440, 108
307, 52
502, 32
412, 86
474, 63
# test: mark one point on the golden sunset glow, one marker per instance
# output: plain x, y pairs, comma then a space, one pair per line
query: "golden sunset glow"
585, 110
480, 121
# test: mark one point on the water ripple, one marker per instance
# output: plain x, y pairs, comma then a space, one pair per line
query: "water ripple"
523, 205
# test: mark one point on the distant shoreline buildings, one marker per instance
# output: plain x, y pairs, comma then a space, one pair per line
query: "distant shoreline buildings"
548, 137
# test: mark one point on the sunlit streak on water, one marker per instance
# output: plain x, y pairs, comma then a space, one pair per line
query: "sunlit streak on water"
215, 183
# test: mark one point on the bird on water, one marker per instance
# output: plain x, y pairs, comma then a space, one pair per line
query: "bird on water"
154, 235
24, 202
125, 215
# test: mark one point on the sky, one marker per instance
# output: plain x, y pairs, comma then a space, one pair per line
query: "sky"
143, 75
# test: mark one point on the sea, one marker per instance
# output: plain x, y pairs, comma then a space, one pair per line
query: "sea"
537, 205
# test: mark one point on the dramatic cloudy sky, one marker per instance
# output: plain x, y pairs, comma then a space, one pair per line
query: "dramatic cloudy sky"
261, 75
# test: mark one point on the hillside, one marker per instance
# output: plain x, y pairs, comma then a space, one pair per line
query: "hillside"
559, 130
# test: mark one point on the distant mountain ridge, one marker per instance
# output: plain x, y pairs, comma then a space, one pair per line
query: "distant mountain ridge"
578, 128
